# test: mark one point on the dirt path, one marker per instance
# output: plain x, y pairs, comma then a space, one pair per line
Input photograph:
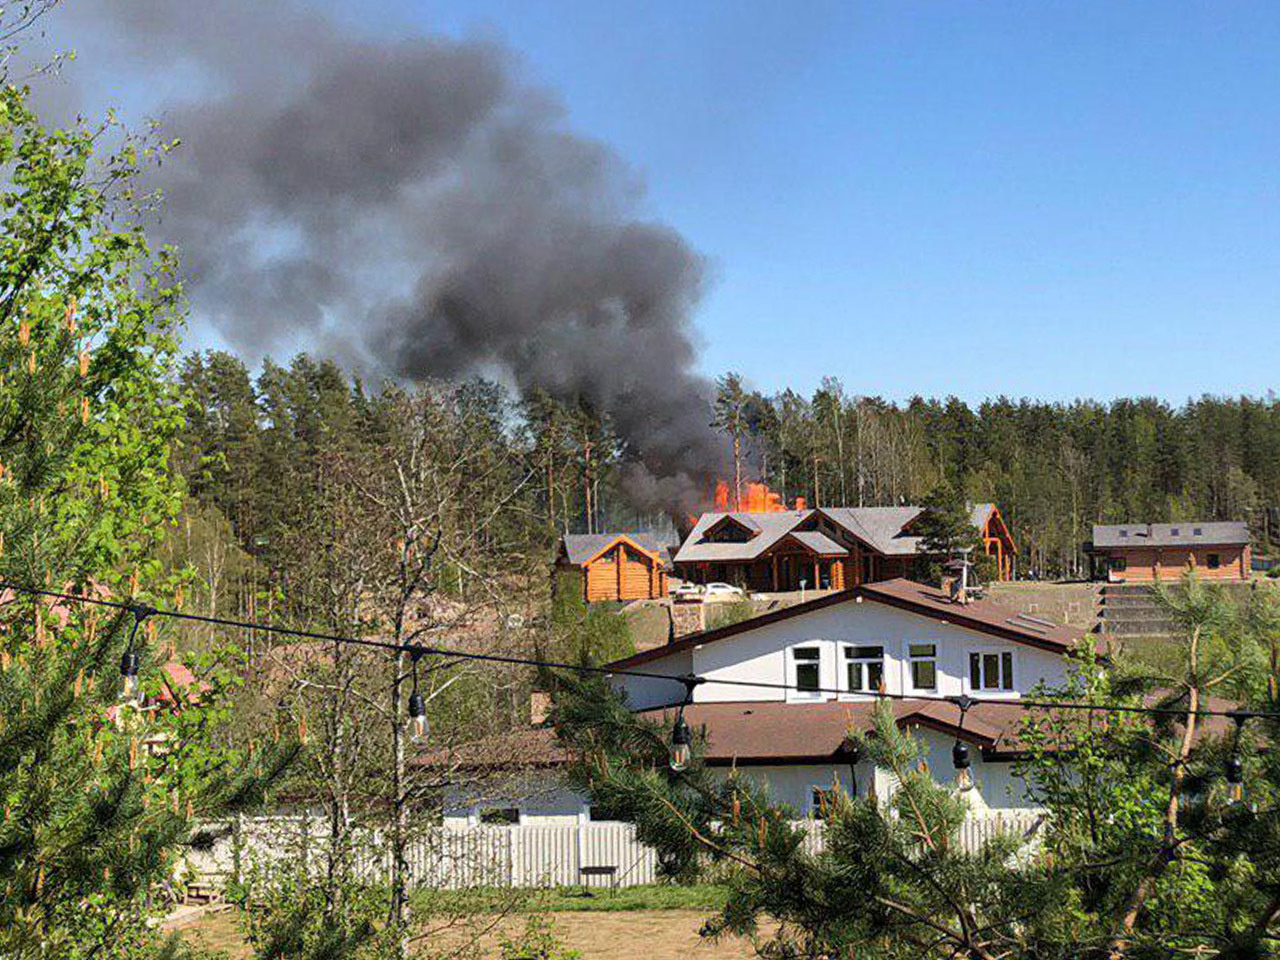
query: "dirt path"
635, 935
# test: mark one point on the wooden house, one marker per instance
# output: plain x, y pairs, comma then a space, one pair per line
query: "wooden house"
833, 548
1146, 552
616, 566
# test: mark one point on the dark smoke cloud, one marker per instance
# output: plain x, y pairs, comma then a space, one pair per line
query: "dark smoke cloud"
416, 208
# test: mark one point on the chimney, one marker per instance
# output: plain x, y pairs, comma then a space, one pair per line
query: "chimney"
801, 503
687, 617
539, 708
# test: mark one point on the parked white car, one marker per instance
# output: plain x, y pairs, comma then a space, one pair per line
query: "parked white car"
687, 591
722, 591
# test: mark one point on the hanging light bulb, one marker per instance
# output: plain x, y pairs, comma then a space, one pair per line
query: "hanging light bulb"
1233, 768
1235, 779
681, 735
130, 687
960, 760
681, 741
419, 728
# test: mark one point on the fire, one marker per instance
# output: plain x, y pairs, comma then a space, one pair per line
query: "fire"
756, 498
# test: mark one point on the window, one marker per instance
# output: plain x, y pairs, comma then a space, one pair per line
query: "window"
500, 816
1124, 533
1174, 532
991, 671
924, 665
1198, 531
1215, 561
864, 669
808, 667
1119, 564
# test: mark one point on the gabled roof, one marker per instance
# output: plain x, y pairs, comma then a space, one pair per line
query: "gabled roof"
772, 528
582, 548
818, 543
883, 529
982, 616
1187, 534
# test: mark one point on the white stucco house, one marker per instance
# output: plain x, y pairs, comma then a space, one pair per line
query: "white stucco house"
898, 636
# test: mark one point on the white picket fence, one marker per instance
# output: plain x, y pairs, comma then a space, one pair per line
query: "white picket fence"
588, 854
456, 858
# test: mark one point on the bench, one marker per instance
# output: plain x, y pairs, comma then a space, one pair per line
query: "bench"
598, 871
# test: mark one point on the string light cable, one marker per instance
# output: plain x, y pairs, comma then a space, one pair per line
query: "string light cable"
417, 651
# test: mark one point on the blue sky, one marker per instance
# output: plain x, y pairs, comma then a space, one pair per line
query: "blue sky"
1043, 199
972, 198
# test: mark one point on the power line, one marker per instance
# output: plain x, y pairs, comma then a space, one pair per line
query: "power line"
415, 650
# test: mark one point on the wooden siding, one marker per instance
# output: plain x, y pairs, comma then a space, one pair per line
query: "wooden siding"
623, 573
1147, 564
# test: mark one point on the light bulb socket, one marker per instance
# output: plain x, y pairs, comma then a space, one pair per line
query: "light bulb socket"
960, 756
129, 664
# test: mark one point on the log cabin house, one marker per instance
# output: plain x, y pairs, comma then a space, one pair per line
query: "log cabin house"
616, 566
1146, 552
833, 548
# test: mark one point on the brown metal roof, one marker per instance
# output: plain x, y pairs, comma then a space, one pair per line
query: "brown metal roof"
775, 733
982, 615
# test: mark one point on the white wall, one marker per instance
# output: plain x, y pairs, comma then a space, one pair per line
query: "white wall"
545, 800
761, 655
646, 692
995, 785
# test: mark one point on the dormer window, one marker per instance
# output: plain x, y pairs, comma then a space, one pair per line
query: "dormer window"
1197, 532
1174, 532
1124, 533
729, 530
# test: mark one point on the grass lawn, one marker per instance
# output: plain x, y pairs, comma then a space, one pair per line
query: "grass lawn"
658, 922
656, 896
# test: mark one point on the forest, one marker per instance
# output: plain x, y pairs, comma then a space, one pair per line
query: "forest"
264, 452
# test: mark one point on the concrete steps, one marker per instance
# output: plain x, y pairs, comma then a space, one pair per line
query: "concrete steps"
1132, 610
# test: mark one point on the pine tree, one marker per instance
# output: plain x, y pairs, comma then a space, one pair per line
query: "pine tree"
88, 314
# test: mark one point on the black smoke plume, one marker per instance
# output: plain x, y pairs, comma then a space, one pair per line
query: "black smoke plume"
415, 207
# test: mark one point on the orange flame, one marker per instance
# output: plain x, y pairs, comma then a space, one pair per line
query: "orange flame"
756, 498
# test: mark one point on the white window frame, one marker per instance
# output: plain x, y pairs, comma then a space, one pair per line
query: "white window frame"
793, 671
846, 661
909, 660
1000, 653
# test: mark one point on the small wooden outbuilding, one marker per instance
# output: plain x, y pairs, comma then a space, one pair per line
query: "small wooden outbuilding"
616, 566
1146, 552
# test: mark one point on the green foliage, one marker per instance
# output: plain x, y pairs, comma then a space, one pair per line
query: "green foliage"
725, 614
581, 632
946, 530
97, 800
286, 916
537, 941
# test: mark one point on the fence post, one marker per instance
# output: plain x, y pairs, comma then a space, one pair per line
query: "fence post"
237, 843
